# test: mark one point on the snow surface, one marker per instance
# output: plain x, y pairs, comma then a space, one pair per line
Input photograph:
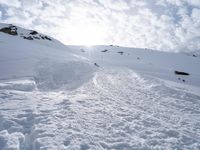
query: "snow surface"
102, 97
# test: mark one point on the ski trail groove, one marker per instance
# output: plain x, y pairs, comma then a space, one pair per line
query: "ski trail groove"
117, 109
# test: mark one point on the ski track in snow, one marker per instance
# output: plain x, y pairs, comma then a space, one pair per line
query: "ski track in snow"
116, 109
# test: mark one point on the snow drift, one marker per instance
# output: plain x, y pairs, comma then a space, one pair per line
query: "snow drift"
68, 75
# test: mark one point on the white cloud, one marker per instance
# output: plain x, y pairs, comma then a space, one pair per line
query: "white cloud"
194, 2
170, 25
11, 3
196, 15
118, 5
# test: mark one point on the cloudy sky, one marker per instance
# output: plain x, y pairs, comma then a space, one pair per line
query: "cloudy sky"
168, 25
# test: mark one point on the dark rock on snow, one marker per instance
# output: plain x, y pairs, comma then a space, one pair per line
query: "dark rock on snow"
47, 38
28, 38
96, 65
42, 37
181, 73
121, 53
194, 55
35, 37
33, 32
82, 50
104, 50
12, 30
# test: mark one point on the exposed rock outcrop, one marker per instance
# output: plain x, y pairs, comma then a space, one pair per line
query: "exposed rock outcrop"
12, 30
181, 73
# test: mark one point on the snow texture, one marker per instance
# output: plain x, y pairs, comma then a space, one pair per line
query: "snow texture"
102, 97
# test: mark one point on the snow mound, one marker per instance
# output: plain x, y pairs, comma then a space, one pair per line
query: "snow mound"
52, 75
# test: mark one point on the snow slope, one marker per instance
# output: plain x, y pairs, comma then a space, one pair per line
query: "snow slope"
149, 62
102, 97
40, 60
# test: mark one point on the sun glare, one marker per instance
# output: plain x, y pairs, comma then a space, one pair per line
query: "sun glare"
87, 35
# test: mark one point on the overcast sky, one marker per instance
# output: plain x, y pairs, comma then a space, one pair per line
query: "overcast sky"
168, 25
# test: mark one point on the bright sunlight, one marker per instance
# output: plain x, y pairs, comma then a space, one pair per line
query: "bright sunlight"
90, 34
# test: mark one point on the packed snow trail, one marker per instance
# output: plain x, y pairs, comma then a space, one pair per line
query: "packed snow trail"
116, 109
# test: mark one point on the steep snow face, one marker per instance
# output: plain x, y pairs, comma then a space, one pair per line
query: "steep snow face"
102, 97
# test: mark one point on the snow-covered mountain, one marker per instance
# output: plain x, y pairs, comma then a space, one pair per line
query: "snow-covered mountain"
54, 96
42, 59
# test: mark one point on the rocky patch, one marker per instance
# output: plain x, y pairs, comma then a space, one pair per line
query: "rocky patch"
104, 50
181, 73
121, 52
12, 30
33, 32
27, 38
